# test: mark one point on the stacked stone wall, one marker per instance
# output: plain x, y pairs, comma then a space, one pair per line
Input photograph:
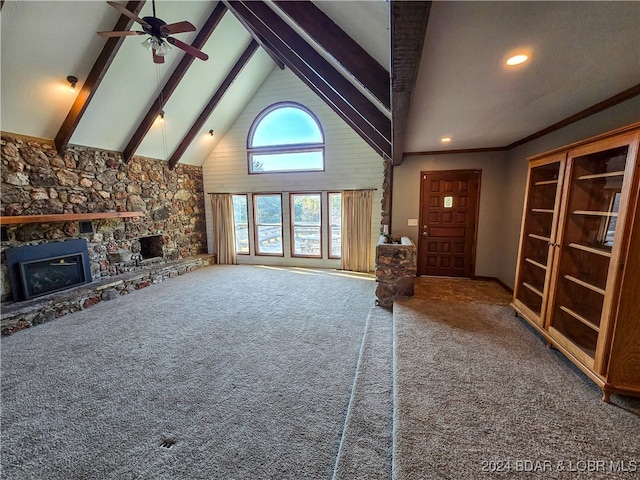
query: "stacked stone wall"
37, 180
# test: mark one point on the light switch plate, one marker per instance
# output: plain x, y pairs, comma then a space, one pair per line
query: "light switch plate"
413, 222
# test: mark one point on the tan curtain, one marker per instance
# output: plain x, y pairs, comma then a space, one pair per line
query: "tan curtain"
224, 235
356, 230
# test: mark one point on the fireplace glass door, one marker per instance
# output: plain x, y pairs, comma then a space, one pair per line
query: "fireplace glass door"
43, 276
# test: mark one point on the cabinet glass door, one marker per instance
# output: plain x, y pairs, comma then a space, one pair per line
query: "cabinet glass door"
538, 231
589, 235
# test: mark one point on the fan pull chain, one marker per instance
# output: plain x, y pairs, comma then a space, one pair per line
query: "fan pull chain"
163, 126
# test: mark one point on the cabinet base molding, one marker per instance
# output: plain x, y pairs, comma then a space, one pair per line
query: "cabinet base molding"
608, 389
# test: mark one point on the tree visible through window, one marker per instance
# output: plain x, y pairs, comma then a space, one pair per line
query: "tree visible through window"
268, 224
285, 137
306, 224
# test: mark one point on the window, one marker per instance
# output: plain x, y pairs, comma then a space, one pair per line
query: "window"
241, 222
306, 225
285, 137
267, 210
335, 225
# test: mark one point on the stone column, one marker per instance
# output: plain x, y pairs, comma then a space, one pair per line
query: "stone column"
396, 269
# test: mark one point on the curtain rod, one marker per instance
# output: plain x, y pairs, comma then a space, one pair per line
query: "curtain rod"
295, 191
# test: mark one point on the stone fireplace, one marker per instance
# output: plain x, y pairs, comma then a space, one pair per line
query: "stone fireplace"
129, 215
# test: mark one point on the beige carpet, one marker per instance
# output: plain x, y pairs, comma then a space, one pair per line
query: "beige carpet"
477, 395
228, 372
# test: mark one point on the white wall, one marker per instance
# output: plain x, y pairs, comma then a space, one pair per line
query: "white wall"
349, 164
406, 200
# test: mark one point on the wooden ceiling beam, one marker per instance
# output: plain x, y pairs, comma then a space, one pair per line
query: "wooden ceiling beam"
409, 21
173, 82
213, 102
373, 76
309, 66
97, 73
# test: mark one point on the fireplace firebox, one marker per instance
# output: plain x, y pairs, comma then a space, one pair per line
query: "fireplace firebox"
37, 270
151, 247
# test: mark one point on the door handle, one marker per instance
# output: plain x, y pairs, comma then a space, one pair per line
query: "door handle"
425, 231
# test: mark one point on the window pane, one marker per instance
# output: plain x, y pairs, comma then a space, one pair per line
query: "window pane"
286, 137
335, 225
241, 223
286, 126
305, 216
287, 162
268, 213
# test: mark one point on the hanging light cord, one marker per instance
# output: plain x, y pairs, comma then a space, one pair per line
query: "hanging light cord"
164, 131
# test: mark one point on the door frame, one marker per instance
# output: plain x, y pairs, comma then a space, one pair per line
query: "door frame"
474, 246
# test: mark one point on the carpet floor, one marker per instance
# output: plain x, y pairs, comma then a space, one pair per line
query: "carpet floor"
247, 372
229, 372
477, 394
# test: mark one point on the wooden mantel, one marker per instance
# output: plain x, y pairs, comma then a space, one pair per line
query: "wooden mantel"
65, 217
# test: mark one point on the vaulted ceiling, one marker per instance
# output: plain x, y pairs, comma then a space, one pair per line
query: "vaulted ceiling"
122, 91
402, 74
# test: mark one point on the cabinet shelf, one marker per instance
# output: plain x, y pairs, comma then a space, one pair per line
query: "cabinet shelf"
584, 284
542, 210
537, 264
584, 354
565, 286
580, 318
601, 175
532, 288
595, 213
586, 248
539, 237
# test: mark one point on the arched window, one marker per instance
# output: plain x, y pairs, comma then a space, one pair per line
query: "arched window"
285, 137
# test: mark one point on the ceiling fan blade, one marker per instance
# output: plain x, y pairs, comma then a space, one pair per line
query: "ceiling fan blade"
116, 33
157, 58
188, 48
179, 27
128, 13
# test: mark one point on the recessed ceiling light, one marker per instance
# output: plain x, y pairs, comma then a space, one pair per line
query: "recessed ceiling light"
445, 139
517, 59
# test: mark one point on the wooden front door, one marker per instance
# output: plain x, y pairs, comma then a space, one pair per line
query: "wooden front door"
448, 212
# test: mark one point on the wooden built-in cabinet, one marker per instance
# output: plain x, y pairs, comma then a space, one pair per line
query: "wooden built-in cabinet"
578, 273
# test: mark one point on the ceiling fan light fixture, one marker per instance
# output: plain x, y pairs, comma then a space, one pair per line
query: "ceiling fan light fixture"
163, 49
150, 43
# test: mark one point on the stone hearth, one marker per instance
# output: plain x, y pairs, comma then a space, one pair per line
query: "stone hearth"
20, 315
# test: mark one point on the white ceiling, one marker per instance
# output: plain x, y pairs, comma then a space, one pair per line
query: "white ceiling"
582, 54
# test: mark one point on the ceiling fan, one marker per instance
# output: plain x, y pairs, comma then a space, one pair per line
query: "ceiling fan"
158, 31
